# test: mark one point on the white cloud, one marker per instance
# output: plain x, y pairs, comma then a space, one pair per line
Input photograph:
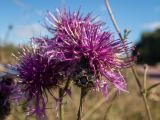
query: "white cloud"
23, 33
152, 26
28, 31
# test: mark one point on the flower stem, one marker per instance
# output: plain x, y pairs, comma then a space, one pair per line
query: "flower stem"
82, 96
61, 96
61, 109
80, 107
132, 68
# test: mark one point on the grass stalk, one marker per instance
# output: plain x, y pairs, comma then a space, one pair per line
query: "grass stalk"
132, 68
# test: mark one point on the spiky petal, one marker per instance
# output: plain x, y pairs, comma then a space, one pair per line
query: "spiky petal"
82, 39
38, 76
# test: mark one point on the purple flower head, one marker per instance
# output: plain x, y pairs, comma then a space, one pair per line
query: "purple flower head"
38, 76
68, 23
98, 57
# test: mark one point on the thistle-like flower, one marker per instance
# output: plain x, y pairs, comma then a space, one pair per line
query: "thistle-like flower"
38, 76
98, 57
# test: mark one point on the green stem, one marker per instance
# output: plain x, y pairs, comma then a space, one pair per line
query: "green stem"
132, 68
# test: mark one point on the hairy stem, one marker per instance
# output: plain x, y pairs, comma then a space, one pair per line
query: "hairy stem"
132, 68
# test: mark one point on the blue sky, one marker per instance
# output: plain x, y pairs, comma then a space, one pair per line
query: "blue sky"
26, 16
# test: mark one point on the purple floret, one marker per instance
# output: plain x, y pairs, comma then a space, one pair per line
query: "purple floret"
38, 76
79, 38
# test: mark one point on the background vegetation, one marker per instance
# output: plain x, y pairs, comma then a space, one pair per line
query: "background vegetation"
149, 48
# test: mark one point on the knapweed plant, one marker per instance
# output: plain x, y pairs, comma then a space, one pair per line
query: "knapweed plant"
80, 52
